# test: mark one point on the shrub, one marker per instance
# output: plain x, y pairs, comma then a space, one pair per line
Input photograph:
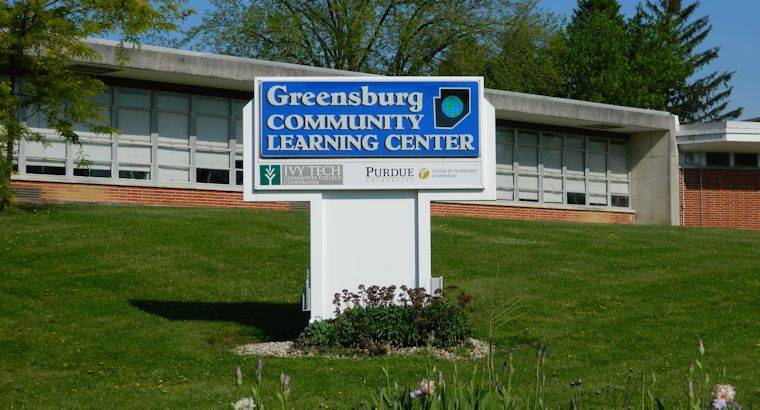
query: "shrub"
377, 317
320, 334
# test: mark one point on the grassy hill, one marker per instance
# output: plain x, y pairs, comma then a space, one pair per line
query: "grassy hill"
138, 306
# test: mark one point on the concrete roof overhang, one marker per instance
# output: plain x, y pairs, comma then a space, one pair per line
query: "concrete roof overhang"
727, 136
168, 65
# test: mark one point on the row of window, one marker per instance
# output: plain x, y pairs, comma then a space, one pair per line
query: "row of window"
140, 115
721, 159
532, 166
135, 162
202, 175
556, 168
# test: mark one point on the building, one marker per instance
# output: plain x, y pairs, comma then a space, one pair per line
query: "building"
180, 117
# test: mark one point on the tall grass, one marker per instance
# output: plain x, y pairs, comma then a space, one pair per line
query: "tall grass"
495, 387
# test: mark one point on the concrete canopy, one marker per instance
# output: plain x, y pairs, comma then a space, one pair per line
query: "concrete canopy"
168, 65
727, 136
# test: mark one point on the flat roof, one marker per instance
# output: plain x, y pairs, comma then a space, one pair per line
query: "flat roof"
724, 136
169, 65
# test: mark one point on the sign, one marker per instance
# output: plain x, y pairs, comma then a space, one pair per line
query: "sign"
367, 133
369, 155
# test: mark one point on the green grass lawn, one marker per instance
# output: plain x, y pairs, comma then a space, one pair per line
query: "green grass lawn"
138, 306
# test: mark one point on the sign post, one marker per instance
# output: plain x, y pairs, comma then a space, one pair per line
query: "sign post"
369, 154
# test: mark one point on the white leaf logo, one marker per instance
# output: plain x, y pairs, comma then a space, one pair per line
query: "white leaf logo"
269, 173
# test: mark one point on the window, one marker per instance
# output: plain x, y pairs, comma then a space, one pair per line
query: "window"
133, 111
212, 176
173, 125
576, 198
173, 117
620, 201
556, 168
239, 172
134, 122
212, 129
94, 172
134, 174
718, 159
212, 122
745, 160
104, 107
173, 164
46, 169
504, 153
576, 162
552, 153
238, 107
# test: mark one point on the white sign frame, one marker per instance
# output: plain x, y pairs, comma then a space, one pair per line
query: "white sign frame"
329, 276
459, 164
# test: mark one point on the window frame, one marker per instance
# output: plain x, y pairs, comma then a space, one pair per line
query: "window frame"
599, 200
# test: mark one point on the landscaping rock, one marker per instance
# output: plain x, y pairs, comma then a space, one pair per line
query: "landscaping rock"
278, 349
473, 349
479, 348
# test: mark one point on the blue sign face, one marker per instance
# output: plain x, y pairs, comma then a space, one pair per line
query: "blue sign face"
364, 118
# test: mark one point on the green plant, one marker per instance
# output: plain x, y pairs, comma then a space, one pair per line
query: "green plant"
376, 318
257, 400
321, 334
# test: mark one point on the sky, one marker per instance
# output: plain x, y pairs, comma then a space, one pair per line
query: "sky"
735, 30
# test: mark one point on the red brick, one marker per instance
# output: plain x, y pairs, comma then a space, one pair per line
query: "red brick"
63, 192
728, 198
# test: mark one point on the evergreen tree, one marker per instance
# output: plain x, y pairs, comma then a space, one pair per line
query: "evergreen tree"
700, 97
594, 58
658, 64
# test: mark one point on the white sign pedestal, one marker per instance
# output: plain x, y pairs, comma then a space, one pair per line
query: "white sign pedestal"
373, 237
369, 155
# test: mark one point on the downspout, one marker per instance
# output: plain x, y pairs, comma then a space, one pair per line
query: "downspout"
683, 195
701, 199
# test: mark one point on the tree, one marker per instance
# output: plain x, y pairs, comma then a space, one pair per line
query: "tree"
594, 56
658, 65
393, 37
515, 55
697, 97
40, 42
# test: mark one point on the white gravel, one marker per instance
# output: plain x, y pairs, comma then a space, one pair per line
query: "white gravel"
472, 349
278, 349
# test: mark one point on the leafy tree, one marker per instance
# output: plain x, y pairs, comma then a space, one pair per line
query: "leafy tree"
516, 54
40, 42
394, 37
594, 56
696, 97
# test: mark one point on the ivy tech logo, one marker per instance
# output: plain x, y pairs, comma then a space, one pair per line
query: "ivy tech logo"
270, 175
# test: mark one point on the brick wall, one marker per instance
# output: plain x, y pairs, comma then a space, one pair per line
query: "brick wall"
52, 192
530, 213
728, 198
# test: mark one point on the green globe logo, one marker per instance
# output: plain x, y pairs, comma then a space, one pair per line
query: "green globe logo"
452, 106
